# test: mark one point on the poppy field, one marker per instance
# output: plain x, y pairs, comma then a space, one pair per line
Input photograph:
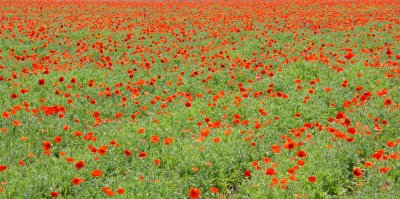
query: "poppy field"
200, 99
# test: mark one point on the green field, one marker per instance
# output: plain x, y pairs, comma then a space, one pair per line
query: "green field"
200, 99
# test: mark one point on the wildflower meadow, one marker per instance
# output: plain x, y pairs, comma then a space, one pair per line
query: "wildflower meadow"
200, 99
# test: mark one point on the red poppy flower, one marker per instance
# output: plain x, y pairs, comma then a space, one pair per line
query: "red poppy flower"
97, 173
312, 179
102, 150
107, 191
275, 148
70, 160
46, 145
3, 168
157, 162
247, 173
357, 172
368, 164
194, 193
14, 96
155, 139
387, 102
301, 154
384, 169
205, 132
289, 145
142, 154
6, 115
79, 165
351, 130
214, 190
76, 181
57, 139
121, 191
270, 171
168, 140
54, 194
41, 82
127, 152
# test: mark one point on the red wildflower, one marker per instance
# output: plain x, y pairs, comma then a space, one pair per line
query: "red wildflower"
108, 191
384, 169
289, 145
387, 102
351, 130
121, 191
275, 148
301, 154
3, 168
41, 82
6, 115
214, 190
194, 193
368, 164
76, 181
155, 139
54, 194
102, 150
357, 172
14, 96
97, 173
46, 145
205, 132
247, 173
57, 139
79, 165
157, 162
270, 171
168, 140
127, 152
312, 179
142, 154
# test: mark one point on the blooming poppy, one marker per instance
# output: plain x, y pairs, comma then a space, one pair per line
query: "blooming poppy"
3, 168
301, 154
121, 191
54, 194
155, 139
384, 169
127, 152
387, 102
142, 154
168, 140
157, 162
46, 145
194, 193
79, 165
102, 150
108, 191
270, 171
41, 82
275, 148
57, 139
289, 145
368, 164
76, 181
357, 172
312, 179
205, 132
247, 174
70, 160
97, 173
214, 190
